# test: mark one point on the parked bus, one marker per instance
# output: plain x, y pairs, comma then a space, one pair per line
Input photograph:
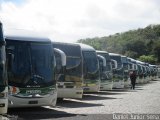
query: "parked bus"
118, 74
70, 79
91, 75
102, 70
107, 79
126, 71
154, 71
137, 68
158, 72
144, 72
148, 72
31, 67
139, 72
3, 75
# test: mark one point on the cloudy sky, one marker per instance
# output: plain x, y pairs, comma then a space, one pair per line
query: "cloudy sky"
70, 20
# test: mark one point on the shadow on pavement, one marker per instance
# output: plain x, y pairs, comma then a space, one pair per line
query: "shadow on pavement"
36, 113
69, 103
108, 93
121, 90
146, 84
155, 80
138, 89
95, 97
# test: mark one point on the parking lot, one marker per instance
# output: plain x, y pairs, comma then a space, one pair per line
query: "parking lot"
145, 99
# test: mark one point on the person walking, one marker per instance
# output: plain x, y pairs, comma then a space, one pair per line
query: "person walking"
133, 77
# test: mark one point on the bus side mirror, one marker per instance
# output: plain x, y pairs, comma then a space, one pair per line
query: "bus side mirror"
61, 60
102, 62
114, 64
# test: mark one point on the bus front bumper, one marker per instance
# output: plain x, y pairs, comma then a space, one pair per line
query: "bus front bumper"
106, 86
118, 84
70, 92
47, 100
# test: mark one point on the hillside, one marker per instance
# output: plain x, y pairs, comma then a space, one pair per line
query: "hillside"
141, 44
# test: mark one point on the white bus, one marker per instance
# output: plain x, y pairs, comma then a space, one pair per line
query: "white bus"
126, 67
31, 67
107, 79
69, 77
91, 74
144, 72
140, 78
158, 72
118, 74
3, 75
148, 72
154, 71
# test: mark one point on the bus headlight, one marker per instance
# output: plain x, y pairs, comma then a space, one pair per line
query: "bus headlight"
4, 95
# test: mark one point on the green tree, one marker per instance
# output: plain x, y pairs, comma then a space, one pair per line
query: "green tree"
148, 59
156, 50
133, 43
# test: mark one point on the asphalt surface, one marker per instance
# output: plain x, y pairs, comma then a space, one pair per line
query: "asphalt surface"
105, 105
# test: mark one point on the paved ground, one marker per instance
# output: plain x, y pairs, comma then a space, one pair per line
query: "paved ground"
145, 99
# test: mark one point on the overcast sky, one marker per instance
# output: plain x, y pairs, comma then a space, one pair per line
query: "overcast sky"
71, 20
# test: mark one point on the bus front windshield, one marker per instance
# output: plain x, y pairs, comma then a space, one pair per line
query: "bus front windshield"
90, 65
73, 58
74, 66
31, 64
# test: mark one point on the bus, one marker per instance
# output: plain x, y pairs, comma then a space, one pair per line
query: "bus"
126, 71
154, 71
158, 73
3, 75
102, 70
91, 74
139, 72
148, 72
70, 80
118, 74
31, 71
144, 72
137, 68
107, 80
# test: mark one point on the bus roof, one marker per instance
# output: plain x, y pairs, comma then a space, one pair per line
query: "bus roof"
100, 51
85, 47
27, 38
70, 49
65, 43
114, 54
21, 35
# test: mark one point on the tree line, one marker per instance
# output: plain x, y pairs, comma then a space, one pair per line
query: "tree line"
141, 44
